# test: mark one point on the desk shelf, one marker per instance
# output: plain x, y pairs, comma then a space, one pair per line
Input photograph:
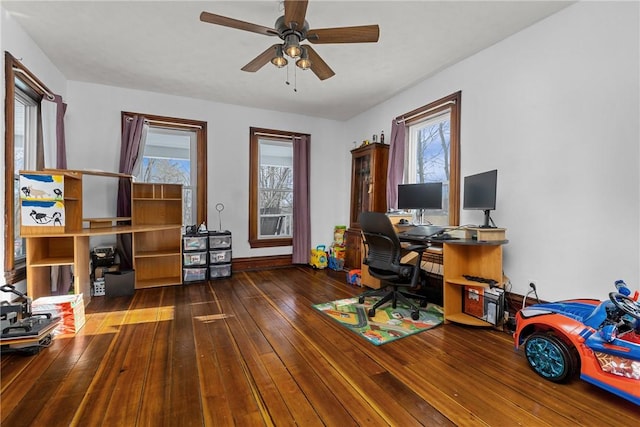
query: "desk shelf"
52, 261
157, 282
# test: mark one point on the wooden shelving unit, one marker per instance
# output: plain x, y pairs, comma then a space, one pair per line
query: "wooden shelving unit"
468, 257
155, 225
157, 254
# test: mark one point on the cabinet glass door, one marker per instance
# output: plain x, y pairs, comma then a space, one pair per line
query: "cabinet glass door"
362, 182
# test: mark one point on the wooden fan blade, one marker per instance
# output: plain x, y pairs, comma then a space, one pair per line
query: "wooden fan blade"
294, 13
318, 66
361, 34
235, 23
260, 60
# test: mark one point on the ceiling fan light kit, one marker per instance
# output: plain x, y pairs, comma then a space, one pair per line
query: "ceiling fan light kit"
292, 29
279, 60
304, 62
292, 46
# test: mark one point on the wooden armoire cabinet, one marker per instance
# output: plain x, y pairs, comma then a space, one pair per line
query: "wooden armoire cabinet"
368, 193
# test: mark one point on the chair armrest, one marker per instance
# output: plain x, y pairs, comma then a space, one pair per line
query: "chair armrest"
416, 248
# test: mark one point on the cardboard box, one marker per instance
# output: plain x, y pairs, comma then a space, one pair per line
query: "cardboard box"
473, 301
119, 283
69, 308
485, 234
100, 271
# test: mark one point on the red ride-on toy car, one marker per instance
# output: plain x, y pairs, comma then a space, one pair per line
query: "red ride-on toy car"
601, 339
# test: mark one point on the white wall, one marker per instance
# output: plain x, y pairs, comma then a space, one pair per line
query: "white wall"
555, 108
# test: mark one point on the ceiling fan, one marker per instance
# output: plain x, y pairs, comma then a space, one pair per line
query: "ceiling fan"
293, 29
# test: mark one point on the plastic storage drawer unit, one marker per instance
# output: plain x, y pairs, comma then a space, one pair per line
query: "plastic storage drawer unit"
194, 243
219, 271
219, 239
219, 257
194, 259
194, 274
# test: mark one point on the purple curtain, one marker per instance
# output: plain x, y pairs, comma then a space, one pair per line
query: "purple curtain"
132, 132
65, 277
61, 145
396, 162
301, 203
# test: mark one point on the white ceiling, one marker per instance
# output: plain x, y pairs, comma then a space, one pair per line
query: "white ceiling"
162, 46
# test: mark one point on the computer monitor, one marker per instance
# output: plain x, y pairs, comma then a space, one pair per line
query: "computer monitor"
427, 195
480, 193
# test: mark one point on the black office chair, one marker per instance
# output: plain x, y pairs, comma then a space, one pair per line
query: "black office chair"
383, 257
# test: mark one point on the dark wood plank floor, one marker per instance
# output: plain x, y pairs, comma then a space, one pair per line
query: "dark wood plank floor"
250, 350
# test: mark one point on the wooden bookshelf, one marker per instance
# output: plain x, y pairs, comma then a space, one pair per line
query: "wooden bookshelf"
157, 253
156, 227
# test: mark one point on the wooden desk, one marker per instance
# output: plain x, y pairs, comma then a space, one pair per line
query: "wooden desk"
460, 257
156, 218
157, 257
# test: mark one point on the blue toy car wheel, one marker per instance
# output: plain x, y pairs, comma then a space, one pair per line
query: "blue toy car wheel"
550, 357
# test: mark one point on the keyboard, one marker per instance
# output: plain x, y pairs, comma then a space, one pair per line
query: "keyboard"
479, 279
423, 231
443, 238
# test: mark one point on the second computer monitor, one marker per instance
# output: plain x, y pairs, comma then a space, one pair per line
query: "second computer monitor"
420, 196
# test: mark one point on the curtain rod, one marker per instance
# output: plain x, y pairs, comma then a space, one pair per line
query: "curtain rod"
401, 119
277, 136
160, 122
43, 88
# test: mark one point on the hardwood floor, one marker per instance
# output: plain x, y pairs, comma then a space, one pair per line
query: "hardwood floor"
250, 350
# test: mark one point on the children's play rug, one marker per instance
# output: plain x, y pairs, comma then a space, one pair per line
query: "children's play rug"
388, 325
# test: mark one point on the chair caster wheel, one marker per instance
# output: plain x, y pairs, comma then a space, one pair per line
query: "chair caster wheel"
371, 312
424, 303
415, 315
361, 300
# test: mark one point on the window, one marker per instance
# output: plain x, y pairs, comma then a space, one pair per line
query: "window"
22, 104
175, 152
25, 129
432, 154
271, 192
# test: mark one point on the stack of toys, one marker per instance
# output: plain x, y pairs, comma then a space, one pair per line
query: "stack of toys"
337, 249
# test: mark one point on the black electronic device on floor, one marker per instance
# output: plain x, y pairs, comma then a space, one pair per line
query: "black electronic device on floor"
20, 330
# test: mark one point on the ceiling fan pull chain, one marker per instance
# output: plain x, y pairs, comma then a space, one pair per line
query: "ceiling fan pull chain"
287, 81
295, 79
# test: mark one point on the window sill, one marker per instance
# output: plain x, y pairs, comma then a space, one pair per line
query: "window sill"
268, 243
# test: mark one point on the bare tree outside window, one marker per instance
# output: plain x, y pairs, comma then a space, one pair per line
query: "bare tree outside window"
430, 147
433, 153
165, 171
276, 186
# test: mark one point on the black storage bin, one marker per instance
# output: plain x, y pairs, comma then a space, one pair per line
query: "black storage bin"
119, 283
219, 254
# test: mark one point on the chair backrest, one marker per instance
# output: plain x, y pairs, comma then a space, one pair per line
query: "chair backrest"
382, 244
